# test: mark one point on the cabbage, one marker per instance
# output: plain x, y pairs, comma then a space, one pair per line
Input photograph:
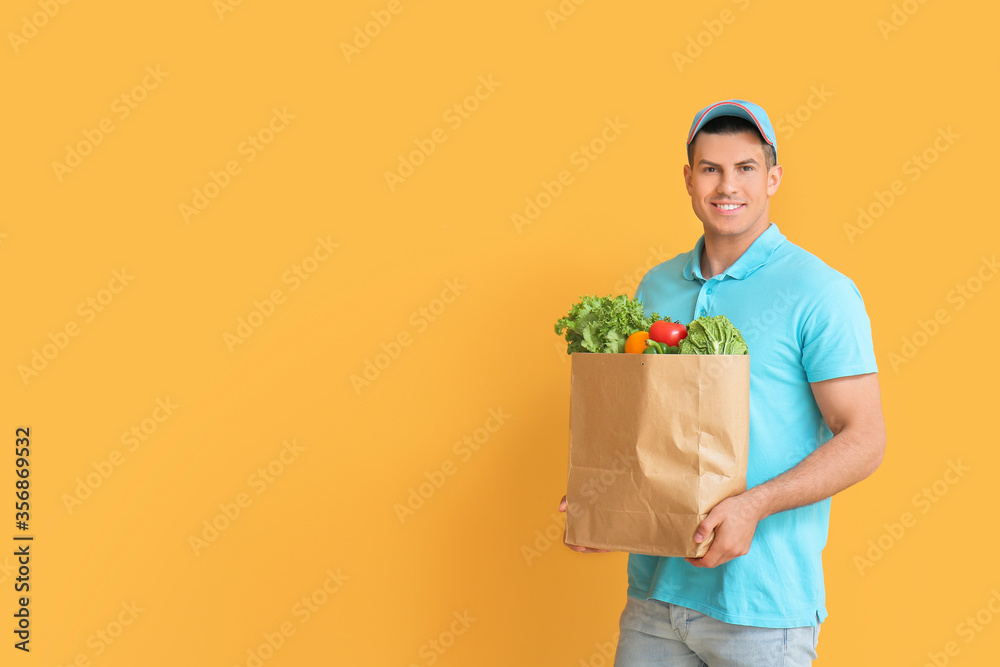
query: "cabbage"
713, 335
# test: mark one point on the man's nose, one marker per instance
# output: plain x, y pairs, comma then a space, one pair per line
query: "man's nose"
727, 183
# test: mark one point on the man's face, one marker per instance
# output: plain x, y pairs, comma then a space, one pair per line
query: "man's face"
730, 185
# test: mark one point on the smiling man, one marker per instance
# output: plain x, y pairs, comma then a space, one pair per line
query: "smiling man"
757, 597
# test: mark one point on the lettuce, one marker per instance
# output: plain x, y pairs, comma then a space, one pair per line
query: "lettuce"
713, 335
603, 324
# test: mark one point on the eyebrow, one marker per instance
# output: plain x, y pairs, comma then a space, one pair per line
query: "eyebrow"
738, 164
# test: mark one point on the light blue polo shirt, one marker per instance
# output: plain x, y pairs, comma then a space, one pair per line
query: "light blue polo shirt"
803, 322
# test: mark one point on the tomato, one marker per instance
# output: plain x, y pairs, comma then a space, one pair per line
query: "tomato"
636, 343
670, 333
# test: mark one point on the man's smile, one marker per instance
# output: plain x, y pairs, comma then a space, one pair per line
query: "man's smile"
728, 207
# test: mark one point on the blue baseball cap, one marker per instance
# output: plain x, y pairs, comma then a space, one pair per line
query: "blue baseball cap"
740, 109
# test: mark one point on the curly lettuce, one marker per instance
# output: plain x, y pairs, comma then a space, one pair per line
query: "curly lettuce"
603, 324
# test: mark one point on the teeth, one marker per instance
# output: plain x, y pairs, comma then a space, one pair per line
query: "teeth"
729, 207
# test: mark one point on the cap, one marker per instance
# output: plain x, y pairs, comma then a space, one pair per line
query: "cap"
740, 109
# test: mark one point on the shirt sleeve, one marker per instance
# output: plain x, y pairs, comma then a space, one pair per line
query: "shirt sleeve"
836, 334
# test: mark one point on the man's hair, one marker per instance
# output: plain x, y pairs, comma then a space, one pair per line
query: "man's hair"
734, 125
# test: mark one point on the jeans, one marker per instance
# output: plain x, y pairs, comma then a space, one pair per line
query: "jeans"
659, 633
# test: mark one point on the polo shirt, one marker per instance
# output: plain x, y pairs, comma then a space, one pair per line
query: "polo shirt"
803, 322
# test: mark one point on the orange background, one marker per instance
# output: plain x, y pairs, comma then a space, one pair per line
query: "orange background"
452, 304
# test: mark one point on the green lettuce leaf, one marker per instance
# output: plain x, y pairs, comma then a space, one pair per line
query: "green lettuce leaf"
713, 335
603, 324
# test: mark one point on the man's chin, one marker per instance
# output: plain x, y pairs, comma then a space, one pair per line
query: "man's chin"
732, 227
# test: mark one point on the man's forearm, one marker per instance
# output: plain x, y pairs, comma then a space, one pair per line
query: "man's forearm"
842, 461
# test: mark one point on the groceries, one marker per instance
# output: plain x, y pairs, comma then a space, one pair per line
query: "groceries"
618, 324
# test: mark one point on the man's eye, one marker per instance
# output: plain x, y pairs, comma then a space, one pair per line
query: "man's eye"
709, 168
747, 167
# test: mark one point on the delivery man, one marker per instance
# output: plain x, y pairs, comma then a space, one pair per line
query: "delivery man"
757, 596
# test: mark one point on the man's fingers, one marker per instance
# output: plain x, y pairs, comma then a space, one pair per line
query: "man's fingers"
707, 525
703, 530
716, 555
577, 548
588, 550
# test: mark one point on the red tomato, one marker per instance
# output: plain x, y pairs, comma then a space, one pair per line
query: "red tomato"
670, 333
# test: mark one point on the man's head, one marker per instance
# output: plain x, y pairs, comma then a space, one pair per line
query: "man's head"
731, 172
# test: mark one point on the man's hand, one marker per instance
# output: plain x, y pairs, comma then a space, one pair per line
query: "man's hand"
734, 522
574, 547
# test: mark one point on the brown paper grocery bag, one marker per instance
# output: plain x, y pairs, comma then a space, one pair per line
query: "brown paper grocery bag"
656, 441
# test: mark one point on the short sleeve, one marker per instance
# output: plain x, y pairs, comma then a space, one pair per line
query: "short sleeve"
836, 334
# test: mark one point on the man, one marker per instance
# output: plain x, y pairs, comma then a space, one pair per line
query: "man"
757, 596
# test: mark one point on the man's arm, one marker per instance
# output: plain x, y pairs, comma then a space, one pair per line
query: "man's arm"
852, 408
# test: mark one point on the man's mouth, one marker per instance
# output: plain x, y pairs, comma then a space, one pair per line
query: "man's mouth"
726, 206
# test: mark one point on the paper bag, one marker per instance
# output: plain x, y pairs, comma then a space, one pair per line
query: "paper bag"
656, 441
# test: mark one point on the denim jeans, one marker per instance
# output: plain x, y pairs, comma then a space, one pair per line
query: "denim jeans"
659, 633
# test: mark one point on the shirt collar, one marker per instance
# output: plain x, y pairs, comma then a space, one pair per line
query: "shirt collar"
756, 256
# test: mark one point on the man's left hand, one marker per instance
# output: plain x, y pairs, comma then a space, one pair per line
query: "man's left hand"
734, 522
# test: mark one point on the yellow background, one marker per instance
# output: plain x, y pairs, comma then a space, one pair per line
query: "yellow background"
477, 546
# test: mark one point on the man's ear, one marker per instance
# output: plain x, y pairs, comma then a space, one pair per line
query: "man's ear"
773, 179
688, 171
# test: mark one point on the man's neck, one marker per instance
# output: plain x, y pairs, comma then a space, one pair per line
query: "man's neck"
720, 253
